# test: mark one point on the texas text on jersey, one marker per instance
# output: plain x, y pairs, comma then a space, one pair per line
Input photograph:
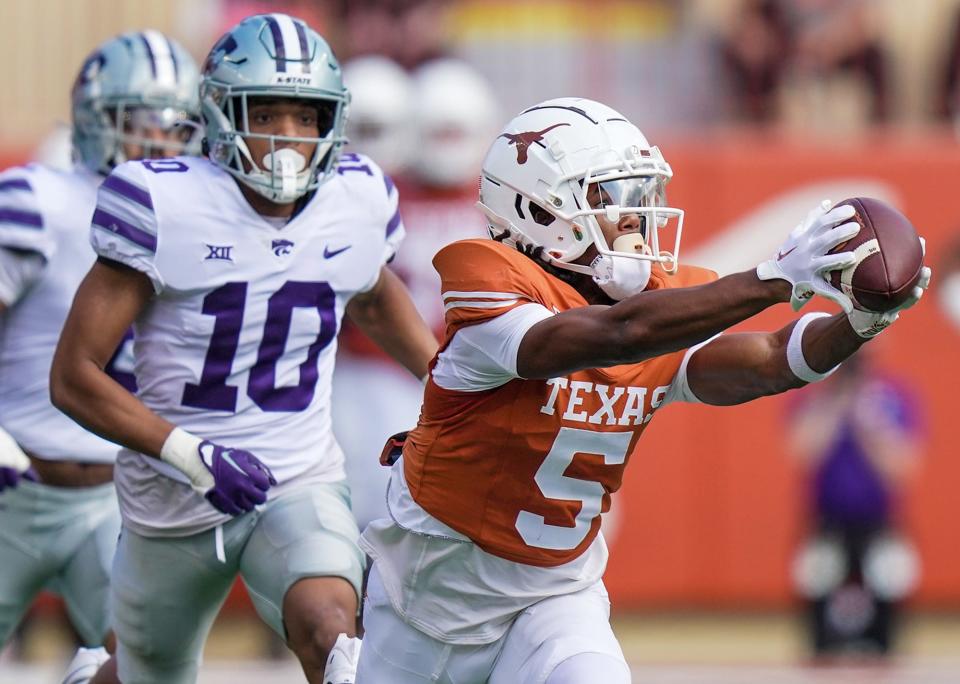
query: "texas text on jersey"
532, 495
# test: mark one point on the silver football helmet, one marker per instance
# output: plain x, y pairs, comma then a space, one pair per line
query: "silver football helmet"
563, 166
271, 56
128, 88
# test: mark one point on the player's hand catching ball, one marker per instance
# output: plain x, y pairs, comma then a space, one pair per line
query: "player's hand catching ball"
804, 259
870, 324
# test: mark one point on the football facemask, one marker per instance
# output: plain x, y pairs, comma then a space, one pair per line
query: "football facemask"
609, 198
155, 132
282, 174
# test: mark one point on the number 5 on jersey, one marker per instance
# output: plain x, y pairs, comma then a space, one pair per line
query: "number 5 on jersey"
553, 484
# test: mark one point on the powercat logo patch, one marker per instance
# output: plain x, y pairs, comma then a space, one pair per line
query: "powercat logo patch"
524, 140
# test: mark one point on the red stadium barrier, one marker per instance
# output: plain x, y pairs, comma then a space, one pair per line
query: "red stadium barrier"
712, 506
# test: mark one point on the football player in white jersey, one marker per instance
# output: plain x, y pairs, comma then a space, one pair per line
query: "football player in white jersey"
58, 510
236, 271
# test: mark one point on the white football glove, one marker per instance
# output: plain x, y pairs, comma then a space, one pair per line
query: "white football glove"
868, 324
804, 260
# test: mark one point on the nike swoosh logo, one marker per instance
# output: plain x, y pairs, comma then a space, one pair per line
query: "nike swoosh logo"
330, 253
782, 255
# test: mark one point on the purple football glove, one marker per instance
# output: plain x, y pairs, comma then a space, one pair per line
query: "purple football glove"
10, 477
240, 480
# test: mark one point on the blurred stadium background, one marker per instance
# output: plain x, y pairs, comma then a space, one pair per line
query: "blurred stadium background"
762, 107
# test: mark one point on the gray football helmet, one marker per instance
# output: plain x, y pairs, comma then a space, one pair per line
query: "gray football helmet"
129, 87
271, 56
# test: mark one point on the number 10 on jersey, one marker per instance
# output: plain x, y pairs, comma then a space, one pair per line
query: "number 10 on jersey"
226, 304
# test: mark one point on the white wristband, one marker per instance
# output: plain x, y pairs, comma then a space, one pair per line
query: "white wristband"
182, 451
798, 364
11, 455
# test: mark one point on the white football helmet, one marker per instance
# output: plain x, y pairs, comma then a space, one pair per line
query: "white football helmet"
381, 110
455, 113
539, 172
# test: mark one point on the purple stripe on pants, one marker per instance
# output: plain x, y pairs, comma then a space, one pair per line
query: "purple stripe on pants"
114, 224
128, 190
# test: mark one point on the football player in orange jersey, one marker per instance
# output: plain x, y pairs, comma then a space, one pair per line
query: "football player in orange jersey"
565, 334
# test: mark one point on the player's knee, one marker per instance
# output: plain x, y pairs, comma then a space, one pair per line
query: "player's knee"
312, 642
590, 667
314, 624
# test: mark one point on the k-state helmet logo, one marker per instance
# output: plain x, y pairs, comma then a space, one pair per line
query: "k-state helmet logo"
281, 247
527, 138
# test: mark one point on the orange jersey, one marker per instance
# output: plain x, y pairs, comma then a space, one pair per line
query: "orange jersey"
525, 469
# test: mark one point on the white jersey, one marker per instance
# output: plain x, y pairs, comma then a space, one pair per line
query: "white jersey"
238, 344
47, 212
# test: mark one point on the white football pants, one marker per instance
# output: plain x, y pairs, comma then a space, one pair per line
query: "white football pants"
561, 640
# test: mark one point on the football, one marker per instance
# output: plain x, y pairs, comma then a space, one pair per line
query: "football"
889, 257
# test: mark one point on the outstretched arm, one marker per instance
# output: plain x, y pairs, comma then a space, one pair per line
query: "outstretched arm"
387, 315
738, 368
662, 321
643, 326
734, 369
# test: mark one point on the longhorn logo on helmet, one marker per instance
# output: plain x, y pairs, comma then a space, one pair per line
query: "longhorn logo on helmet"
524, 140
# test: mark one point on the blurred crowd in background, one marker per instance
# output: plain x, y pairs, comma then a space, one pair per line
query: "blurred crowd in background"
433, 80
823, 66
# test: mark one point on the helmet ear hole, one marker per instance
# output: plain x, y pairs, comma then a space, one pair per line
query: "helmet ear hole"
541, 215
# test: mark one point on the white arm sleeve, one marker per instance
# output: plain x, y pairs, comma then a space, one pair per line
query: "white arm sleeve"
680, 387
18, 271
484, 356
